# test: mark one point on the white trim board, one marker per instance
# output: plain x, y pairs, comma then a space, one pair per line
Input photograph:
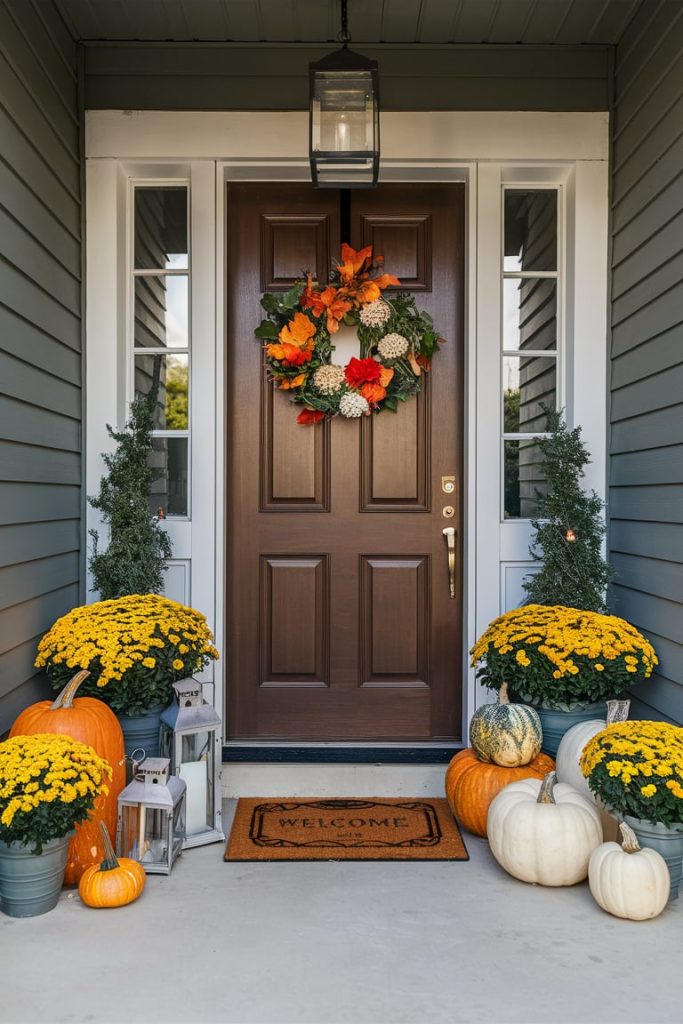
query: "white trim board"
486, 150
461, 136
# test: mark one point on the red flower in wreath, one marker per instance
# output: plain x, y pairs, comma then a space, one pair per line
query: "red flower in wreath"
362, 371
310, 416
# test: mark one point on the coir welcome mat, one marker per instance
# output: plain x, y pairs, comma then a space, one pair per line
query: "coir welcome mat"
344, 829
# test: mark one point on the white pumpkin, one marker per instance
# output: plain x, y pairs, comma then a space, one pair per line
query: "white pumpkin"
627, 881
543, 833
574, 741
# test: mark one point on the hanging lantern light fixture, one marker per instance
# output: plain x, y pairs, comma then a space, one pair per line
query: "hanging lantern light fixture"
344, 117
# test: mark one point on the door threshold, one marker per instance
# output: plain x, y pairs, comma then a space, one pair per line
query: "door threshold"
340, 753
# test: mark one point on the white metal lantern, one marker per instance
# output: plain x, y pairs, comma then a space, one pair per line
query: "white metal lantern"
344, 118
151, 822
189, 737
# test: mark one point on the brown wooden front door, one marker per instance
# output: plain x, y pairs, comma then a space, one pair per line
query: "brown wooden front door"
340, 624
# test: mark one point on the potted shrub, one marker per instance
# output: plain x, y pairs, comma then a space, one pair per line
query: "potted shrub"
48, 785
135, 647
636, 768
566, 662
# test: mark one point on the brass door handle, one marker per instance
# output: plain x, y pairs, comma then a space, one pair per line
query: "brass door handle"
449, 534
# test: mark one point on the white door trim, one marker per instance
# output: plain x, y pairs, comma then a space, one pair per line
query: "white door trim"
483, 148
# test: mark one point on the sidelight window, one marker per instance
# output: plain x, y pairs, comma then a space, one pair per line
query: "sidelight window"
160, 290
530, 338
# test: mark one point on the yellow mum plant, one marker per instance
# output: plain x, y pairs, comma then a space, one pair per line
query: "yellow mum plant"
48, 784
555, 656
636, 768
134, 647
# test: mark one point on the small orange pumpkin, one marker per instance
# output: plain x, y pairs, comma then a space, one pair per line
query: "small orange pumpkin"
115, 882
471, 785
90, 721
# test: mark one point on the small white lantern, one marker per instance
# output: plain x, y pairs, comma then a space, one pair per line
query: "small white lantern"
151, 822
189, 737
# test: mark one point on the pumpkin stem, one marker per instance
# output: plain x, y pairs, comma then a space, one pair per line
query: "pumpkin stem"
629, 840
503, 694
65, 697
617, 711
545, 794
110, 861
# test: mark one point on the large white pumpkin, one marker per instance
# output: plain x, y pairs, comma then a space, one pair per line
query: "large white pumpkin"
543, 832
569, 752
629, 882
575, 739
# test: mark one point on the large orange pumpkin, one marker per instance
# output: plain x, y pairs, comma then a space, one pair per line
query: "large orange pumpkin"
92, 722
471, 785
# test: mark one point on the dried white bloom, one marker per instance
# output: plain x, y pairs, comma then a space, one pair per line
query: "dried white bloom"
392, 346
375, 314
328, 379
353, 405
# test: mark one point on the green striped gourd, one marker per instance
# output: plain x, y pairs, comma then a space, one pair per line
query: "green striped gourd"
506, 734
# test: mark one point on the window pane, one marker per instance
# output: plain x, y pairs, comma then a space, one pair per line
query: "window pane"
168, 460
529, 313
160, 228
530, 229
169, 375
526, 384
523, 475
161, 317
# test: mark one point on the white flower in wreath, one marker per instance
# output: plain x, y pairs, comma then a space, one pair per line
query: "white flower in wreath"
328, 379
392, 346
352, 405
375, 314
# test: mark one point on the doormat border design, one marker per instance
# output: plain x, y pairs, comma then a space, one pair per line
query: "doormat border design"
439, 839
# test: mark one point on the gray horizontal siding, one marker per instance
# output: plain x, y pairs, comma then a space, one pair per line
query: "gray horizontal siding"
238, 77
40, 339
646, 471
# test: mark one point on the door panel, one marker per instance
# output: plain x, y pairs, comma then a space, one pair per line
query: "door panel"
340, 625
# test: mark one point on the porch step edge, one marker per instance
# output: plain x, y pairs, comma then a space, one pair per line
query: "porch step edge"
331, 780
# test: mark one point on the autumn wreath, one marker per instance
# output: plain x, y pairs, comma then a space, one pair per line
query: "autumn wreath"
397, 341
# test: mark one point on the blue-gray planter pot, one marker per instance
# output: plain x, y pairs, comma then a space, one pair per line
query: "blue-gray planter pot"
555, 722
665, 840
142, 731
30, 883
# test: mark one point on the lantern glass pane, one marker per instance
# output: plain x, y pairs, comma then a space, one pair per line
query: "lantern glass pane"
343, 112
178, 830
197, 770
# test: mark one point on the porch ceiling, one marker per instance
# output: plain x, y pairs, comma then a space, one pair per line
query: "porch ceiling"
534, 22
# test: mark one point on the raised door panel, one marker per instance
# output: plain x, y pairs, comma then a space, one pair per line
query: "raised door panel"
294, 621
294, 462
394, 614
395, 458
291, 245
406, 244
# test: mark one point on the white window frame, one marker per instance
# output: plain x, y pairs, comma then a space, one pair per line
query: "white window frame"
487, 149
131, 350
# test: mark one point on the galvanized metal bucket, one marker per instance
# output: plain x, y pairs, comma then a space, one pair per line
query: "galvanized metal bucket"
30, 883
665, 840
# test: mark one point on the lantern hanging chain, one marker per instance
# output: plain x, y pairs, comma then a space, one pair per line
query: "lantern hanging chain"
344, 36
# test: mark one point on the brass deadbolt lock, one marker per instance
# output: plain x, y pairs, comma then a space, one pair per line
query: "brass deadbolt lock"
448, 484
448, 511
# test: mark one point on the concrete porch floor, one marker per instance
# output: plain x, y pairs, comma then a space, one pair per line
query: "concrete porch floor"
344, 943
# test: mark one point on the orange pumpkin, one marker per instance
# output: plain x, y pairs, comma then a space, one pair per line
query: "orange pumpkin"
471, 785
92, 722
115, 882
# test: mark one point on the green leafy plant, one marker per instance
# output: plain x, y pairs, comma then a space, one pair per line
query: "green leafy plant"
135, 558
636, 768
569, 526
48, 784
